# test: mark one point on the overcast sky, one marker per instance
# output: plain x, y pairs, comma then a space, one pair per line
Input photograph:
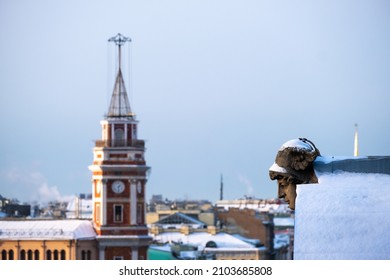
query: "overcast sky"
218, 87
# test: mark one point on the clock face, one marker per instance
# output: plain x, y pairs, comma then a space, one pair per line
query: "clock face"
118, 187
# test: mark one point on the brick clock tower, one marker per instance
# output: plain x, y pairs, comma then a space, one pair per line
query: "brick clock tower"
119, 175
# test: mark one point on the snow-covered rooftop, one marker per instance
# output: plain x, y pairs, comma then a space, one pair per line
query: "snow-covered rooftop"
345, 216
257, 205
179, 219
79, 209
281, 240
46, 229
284, 222
370, 164
200, 239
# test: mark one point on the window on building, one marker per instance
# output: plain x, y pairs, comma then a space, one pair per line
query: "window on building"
119, 137
97, 212
36, 255
118, 213
55, 254
118, 258
11, 254
29, 255
86, 255
48, 255
23, 254
134, 131
211, 244
140, 211
4, 255
63, 255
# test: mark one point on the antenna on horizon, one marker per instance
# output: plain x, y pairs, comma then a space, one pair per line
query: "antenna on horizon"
356, 147
221, 188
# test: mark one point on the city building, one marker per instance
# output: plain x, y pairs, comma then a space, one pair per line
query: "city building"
254, 225
179, 236
201, 210
80, 207
47, 240
12, 208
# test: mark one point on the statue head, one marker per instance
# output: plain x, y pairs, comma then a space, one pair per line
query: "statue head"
294, 165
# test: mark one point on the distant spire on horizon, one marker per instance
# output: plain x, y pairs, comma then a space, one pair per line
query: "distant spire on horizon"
356, 147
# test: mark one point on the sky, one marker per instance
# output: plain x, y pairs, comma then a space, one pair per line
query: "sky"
218, 87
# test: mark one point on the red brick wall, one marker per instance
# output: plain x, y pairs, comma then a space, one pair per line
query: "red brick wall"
247, 224
111, 252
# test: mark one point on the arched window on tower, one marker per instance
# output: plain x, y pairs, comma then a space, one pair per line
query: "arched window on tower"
83, 255
89, 255
119, 137
134, 131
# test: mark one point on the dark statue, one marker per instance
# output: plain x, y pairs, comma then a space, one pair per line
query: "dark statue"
294, 165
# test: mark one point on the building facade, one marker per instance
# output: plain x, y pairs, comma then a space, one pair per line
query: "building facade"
47, 240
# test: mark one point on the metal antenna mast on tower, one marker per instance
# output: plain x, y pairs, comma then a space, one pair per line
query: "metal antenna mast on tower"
119, 40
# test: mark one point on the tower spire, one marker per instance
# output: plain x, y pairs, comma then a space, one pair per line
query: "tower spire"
119, 105
356, 147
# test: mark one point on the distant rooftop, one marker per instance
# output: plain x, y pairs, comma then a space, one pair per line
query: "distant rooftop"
369, 164
200, 239
46, 229
179, 219
259, 205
